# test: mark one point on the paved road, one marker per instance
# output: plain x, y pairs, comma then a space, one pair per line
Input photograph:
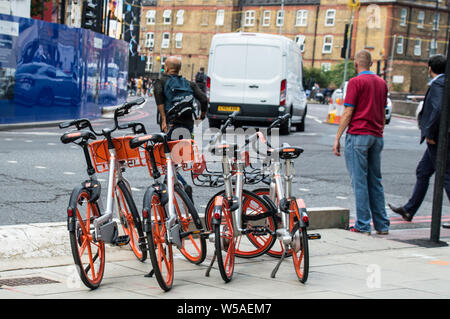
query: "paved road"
38, 172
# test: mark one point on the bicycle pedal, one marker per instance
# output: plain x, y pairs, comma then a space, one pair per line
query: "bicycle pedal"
122, 240
314, 236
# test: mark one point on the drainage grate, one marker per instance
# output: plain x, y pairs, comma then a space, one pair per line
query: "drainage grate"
26, 281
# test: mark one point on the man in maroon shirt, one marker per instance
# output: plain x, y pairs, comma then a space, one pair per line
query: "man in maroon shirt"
364, 115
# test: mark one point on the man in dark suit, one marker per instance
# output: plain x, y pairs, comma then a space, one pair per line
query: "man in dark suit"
429, 119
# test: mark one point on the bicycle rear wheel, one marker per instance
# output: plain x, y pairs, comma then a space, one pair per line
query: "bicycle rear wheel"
194, 245
253, 244
300, 249
88, 255
160, 250
224, 240
130, 220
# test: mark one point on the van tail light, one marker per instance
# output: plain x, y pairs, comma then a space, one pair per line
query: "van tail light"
283, 93
208, 86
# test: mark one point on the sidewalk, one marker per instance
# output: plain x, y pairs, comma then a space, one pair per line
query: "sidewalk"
342, 265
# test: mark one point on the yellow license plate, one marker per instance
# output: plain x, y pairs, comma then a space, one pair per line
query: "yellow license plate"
228, 108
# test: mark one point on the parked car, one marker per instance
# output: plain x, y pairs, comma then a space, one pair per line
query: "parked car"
259, 75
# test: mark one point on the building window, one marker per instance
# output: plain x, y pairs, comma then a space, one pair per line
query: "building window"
436, 18
418, 47
179, 40
301, 19
151, 16
400, 45
300, 40
149, 64
403, 16
433, 47
180, 17
167, 16
280, 18
249, 18
327, 44
325, 67
420, 19
149, 40
266, 18
165, 40
330, 18
220, 17
204, 20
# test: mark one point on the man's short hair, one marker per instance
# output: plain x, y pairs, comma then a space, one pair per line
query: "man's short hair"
364, 58
438, 63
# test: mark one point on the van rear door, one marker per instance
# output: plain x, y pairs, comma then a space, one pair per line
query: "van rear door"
227, 75
263, 71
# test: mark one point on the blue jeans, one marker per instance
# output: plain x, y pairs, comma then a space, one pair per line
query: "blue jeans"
363, 161
425, 169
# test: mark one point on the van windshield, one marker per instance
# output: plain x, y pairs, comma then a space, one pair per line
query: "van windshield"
252, 62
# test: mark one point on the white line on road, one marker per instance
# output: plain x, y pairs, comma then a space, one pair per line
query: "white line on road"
12, 162
134, 189
341, 197
40, 167
28, 141
69, 173
51, 144
314, 118
8, 139
304, 189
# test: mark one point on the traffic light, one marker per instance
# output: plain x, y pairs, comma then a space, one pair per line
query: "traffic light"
92, 15
344, 48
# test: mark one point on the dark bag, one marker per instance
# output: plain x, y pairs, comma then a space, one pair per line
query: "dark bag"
179, 98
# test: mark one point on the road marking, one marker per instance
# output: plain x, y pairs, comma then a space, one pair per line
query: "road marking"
40, 167
304, 189
8, 139
341, 197
51, 143
135, 189
69, 173
28, 141
314, 118
12, 162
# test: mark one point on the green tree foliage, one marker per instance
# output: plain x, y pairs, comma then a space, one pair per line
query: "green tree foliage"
332, 78
336, 74
315, 75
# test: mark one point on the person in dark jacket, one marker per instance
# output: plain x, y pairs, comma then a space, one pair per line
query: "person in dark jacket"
429, 119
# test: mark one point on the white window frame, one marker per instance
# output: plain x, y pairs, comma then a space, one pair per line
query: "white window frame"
280, 18
300, 41
165, 40
220, 17
403, 17
249, 18
301, 18
149, 39
418, 47
330, 15
327, 43
266, 18
420, 19
149, 64
180, 17
400, 44
167, 16
178, 40
436, 23
204, 18
151, 17
325, 67
433, 47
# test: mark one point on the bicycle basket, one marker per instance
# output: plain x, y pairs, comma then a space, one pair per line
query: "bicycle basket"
183, 152
101, 157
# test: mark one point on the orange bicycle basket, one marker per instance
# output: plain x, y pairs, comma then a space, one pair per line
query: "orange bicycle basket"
101, 157
183, 152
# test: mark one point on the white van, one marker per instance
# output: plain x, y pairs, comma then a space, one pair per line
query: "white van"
258, 74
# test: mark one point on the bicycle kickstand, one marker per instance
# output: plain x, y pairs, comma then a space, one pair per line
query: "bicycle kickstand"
275, 270
210, 265
150, 274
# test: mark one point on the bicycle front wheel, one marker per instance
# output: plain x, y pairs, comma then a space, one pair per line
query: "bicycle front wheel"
130, 220
224, 241
88, 255
160, 250
300, 249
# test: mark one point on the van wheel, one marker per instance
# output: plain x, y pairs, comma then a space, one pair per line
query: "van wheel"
301, 126
214, 123
285, 128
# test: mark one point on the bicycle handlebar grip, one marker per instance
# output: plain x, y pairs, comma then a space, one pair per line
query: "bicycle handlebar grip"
67, 124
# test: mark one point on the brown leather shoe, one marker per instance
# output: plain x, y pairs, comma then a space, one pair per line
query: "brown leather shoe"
402, 212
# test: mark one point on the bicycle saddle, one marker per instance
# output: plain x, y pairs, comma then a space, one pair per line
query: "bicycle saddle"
69, 137
289, 152
223, 149
155, 138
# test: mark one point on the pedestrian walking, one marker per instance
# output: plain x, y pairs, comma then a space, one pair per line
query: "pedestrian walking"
200, 79
429, 119
173, 91
364, 119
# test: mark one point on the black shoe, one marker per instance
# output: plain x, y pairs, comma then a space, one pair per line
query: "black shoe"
402, 212
446, 226
188, 190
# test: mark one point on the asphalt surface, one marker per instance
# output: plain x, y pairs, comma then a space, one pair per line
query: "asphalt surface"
38, 172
